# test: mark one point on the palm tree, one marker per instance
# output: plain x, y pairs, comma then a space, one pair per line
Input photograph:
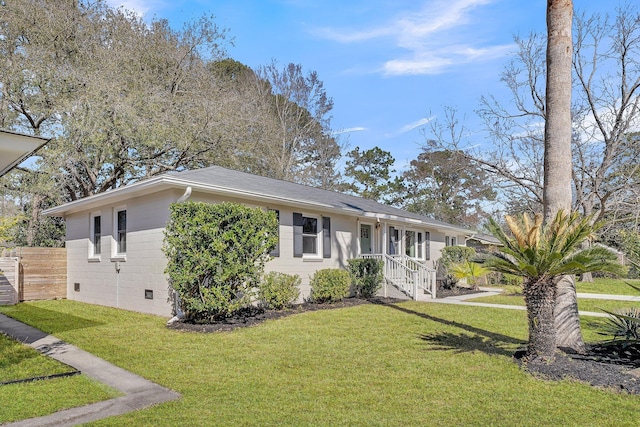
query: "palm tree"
542, 254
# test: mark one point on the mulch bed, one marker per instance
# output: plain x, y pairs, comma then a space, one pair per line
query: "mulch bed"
608, 367
601, 366
256, 315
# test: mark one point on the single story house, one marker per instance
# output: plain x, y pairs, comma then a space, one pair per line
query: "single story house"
114, 239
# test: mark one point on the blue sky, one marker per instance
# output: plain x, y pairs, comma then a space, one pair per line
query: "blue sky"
390, 66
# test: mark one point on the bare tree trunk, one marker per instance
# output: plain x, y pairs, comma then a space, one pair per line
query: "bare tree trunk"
557, 155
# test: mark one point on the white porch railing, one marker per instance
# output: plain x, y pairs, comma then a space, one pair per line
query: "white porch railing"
407, 274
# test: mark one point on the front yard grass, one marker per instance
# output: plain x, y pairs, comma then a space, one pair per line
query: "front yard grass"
404, 364
21, 362
42, 397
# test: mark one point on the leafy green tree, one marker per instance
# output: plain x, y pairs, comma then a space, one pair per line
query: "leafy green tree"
542, 255
125, 99
447, 186
216, 255
370, 172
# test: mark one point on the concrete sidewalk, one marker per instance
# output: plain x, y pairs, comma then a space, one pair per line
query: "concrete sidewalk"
462, 300
138, 392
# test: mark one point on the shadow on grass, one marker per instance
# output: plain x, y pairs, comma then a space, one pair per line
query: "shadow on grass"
51, 321
481, 340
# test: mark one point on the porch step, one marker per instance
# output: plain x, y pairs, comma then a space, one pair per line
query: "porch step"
393, 292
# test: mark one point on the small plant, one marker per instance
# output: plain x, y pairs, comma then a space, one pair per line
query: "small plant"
366, 276
625, 324
452, 255
279, 290
470, 271
330, 285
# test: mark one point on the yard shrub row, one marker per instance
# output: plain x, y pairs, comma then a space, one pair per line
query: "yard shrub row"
216, 256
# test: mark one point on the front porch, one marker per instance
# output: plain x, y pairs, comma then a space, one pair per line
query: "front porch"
408, 276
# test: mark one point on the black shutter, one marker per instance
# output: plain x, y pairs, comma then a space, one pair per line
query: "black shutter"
326, 237
297, 235
276, 251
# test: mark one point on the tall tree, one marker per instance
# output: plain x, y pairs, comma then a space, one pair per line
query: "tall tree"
370, 173
557, 193
447, 186
126, 99
605, 115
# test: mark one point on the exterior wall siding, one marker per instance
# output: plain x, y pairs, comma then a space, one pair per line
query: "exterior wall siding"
143, 268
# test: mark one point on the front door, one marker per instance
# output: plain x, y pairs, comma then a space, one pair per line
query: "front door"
365, 239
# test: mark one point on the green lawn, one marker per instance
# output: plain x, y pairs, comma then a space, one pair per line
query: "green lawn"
407, 364
609, 286
21, 362
32, 399
583, 304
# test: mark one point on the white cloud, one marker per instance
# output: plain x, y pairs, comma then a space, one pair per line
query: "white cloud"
416, 124
348, 130
431, 38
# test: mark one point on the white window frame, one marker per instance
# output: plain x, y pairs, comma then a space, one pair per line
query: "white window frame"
115, 254
92, 255
318, 236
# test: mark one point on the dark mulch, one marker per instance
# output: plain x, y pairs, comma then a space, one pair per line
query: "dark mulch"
256, 315
601, 366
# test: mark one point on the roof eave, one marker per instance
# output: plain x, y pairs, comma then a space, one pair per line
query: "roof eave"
164, 182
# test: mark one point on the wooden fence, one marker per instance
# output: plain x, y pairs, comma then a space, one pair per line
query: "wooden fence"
41, 272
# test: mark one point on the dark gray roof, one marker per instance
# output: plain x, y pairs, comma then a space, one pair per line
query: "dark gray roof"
245, 182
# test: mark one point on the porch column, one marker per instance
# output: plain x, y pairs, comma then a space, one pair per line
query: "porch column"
385, 238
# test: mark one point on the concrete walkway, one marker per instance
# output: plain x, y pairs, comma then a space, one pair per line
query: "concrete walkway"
138, 392
462, 300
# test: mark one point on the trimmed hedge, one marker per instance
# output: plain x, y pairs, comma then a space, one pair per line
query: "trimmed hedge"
330, 285
366, 276
279, 290
216, 255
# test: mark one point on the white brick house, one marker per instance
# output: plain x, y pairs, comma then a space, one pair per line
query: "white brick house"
114, 239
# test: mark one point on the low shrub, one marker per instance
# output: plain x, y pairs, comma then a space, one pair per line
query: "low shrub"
451, 256
279, 290
366, 276
624, 324
330, 285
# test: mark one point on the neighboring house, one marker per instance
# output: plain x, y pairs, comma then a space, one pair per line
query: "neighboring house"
483, 243
114, 239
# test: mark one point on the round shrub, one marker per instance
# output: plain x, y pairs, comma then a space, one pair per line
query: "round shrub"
279, 290
330, 285
366, 276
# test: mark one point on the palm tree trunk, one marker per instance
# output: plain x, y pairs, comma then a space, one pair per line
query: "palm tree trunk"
540, 299
557, 151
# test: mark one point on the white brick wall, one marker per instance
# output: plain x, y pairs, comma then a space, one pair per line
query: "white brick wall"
144, 266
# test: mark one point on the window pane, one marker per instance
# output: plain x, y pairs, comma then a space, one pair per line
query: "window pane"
96, 235
419, 245
309, 244
309, 225
122, 231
